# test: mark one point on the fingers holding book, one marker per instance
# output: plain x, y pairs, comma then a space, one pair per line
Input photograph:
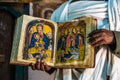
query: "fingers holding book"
40, 65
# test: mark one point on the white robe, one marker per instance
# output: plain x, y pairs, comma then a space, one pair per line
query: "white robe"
107, 15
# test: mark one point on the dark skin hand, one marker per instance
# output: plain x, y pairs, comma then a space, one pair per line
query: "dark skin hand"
100, 37
40, 65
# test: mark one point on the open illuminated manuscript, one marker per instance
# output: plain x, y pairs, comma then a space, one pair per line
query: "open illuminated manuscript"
62, 45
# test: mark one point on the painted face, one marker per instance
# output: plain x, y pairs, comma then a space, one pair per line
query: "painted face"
31, 30
37, 37
43, 51
79, 37
49, 35
62, 33
63, 39
40, 30
70, 30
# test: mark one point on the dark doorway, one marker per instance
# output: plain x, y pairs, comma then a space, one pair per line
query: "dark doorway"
7, 23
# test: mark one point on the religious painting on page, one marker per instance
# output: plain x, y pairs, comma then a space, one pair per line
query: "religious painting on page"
72, 46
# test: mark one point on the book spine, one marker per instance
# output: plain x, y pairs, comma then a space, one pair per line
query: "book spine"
16, 40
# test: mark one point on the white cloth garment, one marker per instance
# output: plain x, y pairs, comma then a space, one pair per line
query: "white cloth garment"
107, 15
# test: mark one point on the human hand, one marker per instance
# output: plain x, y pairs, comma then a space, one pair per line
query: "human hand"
100, 37
40, 65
